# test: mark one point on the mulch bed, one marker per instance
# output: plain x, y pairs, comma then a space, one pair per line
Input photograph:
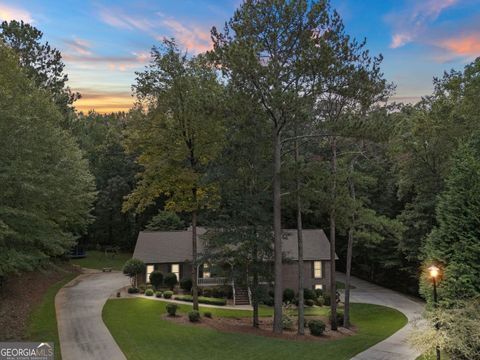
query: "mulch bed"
244, 325
20, 294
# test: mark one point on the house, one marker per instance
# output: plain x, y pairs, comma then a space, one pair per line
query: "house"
171, 251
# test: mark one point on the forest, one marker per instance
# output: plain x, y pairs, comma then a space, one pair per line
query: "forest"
270, 129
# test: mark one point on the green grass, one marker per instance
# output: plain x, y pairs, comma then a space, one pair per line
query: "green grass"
42, 322
137, 326
443, 356
341, 285
98, 260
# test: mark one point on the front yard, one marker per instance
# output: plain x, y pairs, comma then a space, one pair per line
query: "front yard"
140, 331
98, 260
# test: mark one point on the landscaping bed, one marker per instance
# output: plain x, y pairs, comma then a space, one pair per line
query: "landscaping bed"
202, 300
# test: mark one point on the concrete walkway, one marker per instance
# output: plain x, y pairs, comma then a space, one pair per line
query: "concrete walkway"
396, 346
83, 335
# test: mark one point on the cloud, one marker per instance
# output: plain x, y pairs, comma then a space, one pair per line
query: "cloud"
121, 63
9, 13
463, 45
412, 22
78, 46
104, 102
194, 39
121, 20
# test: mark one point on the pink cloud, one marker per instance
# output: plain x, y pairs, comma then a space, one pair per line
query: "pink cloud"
121, 20
114, 63
413, 21
194, 39
78, 46
467, 45
9, 13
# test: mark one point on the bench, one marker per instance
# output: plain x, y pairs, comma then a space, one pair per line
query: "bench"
107, 269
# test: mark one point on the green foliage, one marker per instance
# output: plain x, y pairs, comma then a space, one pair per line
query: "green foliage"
186, 284
132, 268
165, 221
168, 294
309, 294
158, 294
156, 278
149, 292
207, 314
172, 309
316, 327
133, 290
339, 317
170, 280
288, 296
287, 323
47, 188
202, 300
194, 316
309, 302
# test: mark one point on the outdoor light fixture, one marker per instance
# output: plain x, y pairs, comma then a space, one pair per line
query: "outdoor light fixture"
434, 272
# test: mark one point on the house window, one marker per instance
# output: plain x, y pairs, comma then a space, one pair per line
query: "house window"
318, 287
206, 271
150, 269
317, 269
175, 269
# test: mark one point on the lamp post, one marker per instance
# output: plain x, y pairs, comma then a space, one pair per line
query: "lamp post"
434, 272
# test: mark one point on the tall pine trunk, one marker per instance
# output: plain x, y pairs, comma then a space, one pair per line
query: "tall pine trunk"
256, 321
333, 278
194, 260
301, 315
277, 233
346, 314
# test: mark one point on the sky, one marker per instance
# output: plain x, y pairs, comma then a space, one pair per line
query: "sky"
103, 43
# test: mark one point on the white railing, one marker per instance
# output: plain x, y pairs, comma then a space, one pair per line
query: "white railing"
213, 281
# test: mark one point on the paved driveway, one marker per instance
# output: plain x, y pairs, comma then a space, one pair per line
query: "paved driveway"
83, 335
395, 347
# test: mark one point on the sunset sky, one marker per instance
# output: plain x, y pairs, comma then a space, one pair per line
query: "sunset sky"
104, 42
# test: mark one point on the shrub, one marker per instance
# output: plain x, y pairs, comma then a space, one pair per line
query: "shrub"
318, 293
326, 299
142, 288
339, 317
156, 279
309, 294
149, 292
207, 292
288, 295
194, 316
158, 294
172, 309
168, 294
287, 322
269, 301
317, 327
132, 268
319, 301
309, 302
186, 284
170, 280
202, 300
133, 290
207, 314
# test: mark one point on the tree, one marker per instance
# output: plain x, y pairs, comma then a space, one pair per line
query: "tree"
47, 189
132, 268
165, 221
41, 63
156, 278
171, 280
178, 138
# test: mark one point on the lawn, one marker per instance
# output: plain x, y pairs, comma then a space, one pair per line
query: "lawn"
42, 323
138, 328
98, 260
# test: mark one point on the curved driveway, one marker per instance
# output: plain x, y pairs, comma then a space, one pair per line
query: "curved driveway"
396, 346
82, 333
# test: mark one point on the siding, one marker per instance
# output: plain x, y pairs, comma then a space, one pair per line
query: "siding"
290, 275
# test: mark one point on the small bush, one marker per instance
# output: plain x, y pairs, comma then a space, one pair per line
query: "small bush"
172, 309
142, 288
158, 294
317, 327
309, 294
149, 292
326, 299
194, 316
271, 293
168, 294
288, 295
170, 280
318, 293
207, 314
269, 301
207, 292
133, 290
339, 317
149, 286
319, 301
287, 322
309, 302
186, 284
156, 279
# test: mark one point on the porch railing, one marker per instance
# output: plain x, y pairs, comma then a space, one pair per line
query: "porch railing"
214, 281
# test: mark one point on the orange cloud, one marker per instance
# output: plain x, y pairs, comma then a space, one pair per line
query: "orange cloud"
8, 13
104, 102
466, 45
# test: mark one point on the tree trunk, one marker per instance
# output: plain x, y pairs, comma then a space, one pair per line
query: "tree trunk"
333, 285
194, 259
301, 300
256, 321
346, 313
277, 233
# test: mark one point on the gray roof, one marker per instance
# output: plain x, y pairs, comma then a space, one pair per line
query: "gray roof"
176, 246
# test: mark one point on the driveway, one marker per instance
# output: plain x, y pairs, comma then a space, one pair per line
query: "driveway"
83, 335
396, 346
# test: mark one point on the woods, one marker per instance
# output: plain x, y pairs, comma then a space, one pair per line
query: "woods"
286, 123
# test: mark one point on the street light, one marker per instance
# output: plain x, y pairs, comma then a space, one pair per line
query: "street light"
434, 272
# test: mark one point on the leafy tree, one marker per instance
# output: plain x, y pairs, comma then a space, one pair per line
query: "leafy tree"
156, 278
41, 63
178, 138
47, 189
170, 280
132, 268
165, 221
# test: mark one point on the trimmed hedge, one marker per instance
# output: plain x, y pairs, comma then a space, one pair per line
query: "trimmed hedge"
172, 309
149, 292
317, 327
194, 316
158, 294
202, 300
167, 294
133, 290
